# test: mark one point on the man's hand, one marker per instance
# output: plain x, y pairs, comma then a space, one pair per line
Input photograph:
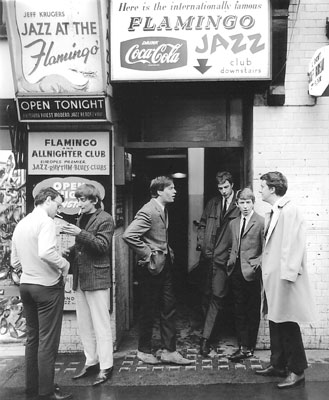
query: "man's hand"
71, 229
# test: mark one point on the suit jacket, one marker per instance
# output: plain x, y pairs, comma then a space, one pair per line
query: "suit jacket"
284, 267
250, 249
147, 235
91, 254
223, 235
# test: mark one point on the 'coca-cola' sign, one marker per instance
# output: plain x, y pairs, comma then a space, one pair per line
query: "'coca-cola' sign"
153, 53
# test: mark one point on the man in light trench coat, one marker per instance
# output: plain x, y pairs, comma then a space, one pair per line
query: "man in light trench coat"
289, 300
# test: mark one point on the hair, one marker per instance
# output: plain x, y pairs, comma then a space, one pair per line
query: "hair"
159, 183
224, 176
246, 194
277, 181
42, 196
90, 192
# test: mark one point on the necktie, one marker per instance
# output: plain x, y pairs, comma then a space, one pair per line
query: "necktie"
224, 209
242, 231
268, 225
243, 227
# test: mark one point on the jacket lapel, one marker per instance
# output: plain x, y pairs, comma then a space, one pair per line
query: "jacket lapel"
91, 220
250, 224
159, 210
237, 228
282, 202
231, 206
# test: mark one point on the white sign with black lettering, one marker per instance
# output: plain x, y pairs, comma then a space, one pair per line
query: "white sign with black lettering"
69, 153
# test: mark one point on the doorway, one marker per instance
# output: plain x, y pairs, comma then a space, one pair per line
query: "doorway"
148, 164
179, 163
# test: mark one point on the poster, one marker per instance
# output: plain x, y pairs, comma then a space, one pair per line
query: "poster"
69, 153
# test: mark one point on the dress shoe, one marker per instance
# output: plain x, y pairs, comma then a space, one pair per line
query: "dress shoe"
103, 376
87, 370
57, 395
271, 371
240, 355
173, 357
147, 358
292, 380
204, 347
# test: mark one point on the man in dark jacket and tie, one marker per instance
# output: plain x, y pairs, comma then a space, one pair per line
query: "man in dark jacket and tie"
214, 240
244, 268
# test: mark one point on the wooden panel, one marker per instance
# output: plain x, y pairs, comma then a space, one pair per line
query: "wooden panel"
185, 119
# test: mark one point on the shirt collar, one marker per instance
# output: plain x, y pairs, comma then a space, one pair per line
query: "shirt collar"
228, 200
247, 217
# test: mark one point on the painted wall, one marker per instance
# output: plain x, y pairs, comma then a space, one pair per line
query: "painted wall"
294, 139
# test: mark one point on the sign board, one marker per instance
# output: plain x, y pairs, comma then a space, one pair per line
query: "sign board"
69, 153
318, 73
190, 40
58, 47
67, 186
54, 109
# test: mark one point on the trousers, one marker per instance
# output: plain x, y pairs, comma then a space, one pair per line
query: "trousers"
287, 348
219, 289
43, 306
94, 326
156, 293
247, 301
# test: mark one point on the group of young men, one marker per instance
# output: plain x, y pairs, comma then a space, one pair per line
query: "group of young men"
263, 261
237, 247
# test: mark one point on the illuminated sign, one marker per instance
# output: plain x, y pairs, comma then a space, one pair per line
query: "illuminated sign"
53, 109
67, 187
318, 73
190, 40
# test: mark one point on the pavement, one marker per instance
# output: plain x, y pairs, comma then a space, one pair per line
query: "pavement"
129, 371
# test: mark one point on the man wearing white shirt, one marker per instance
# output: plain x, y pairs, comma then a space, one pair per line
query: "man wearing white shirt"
42, 292
244, 267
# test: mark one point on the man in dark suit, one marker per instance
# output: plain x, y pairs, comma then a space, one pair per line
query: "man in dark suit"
244, 267
91, 260
147, 235
214, 240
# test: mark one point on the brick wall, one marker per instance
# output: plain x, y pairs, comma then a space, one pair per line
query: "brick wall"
294, 139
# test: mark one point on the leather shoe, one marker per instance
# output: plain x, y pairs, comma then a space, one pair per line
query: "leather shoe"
204, 347
271, 371
292, 380
58, 395
147, 358
173, 357
87, 370
240, 355
103, 376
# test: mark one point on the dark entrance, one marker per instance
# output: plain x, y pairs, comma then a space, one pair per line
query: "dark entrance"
146, 165
149, 163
